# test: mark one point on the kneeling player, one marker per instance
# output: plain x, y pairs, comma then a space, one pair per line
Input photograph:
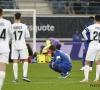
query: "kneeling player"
60, 62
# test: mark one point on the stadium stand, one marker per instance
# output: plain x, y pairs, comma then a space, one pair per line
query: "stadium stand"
42, 6
8, 4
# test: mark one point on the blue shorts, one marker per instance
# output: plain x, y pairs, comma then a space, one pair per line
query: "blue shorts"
86, 45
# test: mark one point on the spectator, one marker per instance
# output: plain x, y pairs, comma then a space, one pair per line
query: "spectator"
77, 37
77, 7
98, 6
92, 7
69, 7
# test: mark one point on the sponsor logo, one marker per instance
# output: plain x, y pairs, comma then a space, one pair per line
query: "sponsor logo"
42, 28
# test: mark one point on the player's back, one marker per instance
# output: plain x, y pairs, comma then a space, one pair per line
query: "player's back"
54, 41
94, 31
63, 56
5, 28
19, 34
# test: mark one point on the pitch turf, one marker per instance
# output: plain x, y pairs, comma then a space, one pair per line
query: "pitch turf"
44, 78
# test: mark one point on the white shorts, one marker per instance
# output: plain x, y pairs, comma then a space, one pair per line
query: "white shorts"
4, 58
23, 54
98, 56
91, 54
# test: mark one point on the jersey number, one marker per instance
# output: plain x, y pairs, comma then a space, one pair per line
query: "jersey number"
97, 34
3, 34
20, 35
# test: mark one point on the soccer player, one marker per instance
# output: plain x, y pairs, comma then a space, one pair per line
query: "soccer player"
52, 41
93, 49
86, 44
5, 33
60, 62
20, 32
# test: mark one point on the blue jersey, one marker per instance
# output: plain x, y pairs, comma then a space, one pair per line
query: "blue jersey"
60, 57
86, 44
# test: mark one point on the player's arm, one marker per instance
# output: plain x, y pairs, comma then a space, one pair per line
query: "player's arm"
27, 34
84, 33
10, 31
58, 60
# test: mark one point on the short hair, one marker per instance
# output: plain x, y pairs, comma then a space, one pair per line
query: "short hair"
17, 15
52, 48
97, 17
91, 17
1, 11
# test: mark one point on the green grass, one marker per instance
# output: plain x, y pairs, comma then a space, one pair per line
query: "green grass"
44, 78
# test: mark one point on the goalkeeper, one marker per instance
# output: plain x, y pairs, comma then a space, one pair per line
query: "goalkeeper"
51, 41
60, 62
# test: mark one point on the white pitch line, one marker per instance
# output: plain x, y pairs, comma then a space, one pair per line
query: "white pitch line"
39, 82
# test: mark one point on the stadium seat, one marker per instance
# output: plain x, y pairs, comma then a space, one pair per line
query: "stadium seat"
59, 11
62, 3
55, 4
12, 4
4, 4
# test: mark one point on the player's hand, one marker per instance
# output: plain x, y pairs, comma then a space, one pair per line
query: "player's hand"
88, 40
53, 65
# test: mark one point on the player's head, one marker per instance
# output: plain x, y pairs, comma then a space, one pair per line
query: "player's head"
18, 16
52, 48
91, 19
97, 18
1, 11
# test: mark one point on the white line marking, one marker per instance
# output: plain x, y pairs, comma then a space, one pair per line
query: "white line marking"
40, 82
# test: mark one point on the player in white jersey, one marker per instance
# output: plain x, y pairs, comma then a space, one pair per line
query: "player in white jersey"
20, 32
5, 33
94, 48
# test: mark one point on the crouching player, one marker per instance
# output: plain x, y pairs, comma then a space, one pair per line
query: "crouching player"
60, 62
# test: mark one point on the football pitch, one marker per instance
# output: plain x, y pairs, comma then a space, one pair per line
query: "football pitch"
44, 78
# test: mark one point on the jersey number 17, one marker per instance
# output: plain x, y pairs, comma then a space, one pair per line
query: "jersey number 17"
16, 33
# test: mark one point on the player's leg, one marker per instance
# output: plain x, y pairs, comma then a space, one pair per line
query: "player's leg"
64, 68
90, 56
24, 57
55, 69
14, 57
84, 56
91, 64
97, 67
3, 61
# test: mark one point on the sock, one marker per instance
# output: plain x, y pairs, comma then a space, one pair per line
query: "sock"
97, 71
83, 59
86, 72
91, 63
15, 70
25, 69
2, 77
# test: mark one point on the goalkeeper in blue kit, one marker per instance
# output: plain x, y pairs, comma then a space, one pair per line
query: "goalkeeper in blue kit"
60, 62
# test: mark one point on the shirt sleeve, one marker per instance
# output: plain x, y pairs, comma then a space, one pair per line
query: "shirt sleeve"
84, 34
27, 34
58, 60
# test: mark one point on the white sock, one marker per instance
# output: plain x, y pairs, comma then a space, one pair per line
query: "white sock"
2, 77
15, 70
25, 69
86, 72
97, 72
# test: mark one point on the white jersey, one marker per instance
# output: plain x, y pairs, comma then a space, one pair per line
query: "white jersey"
94, 35
20, 32
5, 33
